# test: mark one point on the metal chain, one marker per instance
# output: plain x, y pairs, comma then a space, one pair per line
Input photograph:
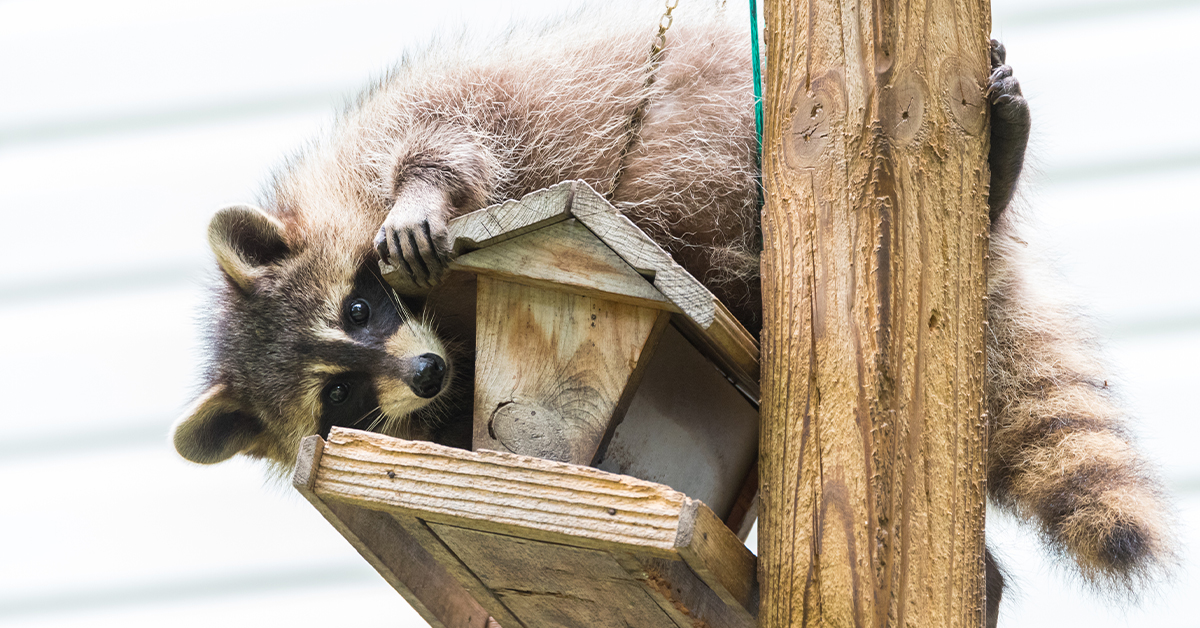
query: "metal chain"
664, 24
634, 126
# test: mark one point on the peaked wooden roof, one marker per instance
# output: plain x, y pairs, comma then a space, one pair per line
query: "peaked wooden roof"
569, 235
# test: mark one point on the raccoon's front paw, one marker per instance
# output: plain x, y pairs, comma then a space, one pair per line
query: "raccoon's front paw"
418, 246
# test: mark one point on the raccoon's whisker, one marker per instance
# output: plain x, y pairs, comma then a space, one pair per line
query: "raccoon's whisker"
381, 418
401, 308
364, 417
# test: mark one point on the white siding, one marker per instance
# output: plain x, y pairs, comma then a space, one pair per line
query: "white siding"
124, 124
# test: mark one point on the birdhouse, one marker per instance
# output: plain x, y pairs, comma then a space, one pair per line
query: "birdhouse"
612, 476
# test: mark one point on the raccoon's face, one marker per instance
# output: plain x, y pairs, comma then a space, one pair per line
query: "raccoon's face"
307, 336
365, 361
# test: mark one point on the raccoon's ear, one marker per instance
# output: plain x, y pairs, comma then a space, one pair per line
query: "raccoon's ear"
215, 427
245, 240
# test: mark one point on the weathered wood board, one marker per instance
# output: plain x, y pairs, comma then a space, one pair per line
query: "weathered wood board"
554, 371
875, 243
473, 537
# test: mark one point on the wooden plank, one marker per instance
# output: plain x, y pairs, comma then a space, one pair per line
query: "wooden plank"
565, 256
505, 493
396, 555
554, 371
542, 543
643, 254
511, 218
719, 558
548, 584
503, 221
693, 602
420, 532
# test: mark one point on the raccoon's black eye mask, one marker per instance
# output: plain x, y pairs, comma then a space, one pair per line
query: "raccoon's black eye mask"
337, 392
350, 400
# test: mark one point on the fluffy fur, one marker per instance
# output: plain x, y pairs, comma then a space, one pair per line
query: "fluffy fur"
462, 126
1059, 453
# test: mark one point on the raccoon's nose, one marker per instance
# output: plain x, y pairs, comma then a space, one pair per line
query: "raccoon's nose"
428, 372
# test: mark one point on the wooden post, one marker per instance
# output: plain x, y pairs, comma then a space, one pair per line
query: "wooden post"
875, 238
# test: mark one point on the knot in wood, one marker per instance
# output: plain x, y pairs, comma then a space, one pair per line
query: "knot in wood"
530, 430
902, 109
962, 90
813, 114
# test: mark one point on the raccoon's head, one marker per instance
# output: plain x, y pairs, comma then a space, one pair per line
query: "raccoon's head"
306, 336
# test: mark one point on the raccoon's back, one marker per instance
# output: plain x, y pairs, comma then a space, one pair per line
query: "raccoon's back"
672, 144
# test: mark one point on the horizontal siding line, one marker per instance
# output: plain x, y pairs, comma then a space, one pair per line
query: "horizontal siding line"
172, 274
136, 433
172, 118
231, 585
1150, 164
1153, 326
1051, 14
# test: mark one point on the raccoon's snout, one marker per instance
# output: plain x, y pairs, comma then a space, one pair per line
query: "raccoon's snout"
429, 371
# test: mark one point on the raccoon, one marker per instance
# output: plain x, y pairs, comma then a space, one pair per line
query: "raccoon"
305, 335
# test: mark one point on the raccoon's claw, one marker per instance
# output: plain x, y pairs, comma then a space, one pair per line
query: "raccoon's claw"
998, 54
417, 247
1004, 92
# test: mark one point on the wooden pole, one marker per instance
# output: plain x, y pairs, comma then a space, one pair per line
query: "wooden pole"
875, 239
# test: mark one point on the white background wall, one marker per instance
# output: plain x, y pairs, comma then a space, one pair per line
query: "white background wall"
125, 123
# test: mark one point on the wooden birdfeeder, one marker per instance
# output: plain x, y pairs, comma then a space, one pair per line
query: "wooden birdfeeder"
615, 437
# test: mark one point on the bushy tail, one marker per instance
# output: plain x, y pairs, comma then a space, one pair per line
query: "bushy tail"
1059, 455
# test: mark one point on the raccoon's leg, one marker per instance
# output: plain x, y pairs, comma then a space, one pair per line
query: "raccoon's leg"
1010, 132
994, 585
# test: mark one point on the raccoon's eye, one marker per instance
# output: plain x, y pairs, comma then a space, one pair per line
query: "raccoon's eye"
360, 311
337, 393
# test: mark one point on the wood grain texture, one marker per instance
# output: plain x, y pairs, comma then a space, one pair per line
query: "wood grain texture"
421, 533
504, 493
688, 600
533, 542
565, 256
512, 218
644, 255
875, 239
558, 584
713, 554
397, 555
554, 372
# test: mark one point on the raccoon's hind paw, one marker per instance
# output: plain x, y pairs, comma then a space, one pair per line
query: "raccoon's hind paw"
1010, 131
418, 247
1004, 92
